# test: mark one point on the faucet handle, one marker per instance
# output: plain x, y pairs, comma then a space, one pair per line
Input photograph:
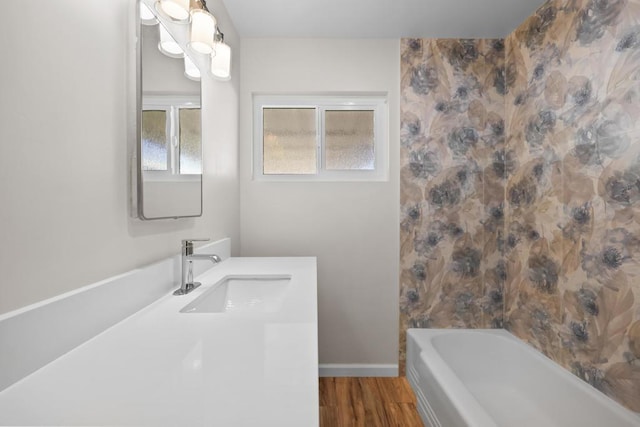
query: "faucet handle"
187, 245
202, 239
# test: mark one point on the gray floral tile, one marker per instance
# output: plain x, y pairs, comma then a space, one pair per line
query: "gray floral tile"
520, 187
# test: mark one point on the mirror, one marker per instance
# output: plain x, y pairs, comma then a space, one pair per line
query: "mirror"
169, 137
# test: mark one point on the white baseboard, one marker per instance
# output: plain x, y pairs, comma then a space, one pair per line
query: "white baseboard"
357, 370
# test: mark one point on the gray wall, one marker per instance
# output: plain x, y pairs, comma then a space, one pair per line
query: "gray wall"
64, 186
351, 227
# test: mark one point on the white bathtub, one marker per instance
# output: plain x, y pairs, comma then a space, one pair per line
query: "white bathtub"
483, 378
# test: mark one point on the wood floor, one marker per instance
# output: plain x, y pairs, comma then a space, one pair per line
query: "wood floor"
367, 402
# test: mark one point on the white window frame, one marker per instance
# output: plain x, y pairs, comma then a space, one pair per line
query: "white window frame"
172, 104
373, 102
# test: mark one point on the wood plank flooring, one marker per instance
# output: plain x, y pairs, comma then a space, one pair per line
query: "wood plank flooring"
367, 402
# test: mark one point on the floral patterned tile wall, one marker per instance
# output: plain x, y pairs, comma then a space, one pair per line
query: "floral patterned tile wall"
573, 230
520, 187
452, 183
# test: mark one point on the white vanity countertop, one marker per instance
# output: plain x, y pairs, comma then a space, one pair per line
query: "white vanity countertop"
160, 367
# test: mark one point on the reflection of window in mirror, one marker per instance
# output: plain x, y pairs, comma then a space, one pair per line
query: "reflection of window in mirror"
171, 136
154, 140
189, 141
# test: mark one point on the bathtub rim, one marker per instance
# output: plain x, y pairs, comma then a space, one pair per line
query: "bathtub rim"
465, 404
424, 336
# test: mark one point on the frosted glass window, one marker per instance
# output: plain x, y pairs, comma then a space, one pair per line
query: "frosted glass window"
289, 141
320, 138
154, 140
190, 142
349, 140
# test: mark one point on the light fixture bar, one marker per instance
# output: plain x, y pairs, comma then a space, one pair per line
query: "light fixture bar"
204, 35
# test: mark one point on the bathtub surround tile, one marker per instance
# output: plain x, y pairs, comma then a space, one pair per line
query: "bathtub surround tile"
575, 118
452, 144
545, 122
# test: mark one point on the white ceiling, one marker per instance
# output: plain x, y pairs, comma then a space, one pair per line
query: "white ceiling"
379, 18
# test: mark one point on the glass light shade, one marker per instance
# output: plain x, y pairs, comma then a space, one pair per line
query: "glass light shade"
178, 10
168, 45
203, 27
221, 61
146, 15
191, 71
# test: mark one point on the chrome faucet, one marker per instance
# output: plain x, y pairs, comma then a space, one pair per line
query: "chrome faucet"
188, 257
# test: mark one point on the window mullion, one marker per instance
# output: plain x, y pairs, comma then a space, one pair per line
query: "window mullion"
169, 130
174, 140
319, 139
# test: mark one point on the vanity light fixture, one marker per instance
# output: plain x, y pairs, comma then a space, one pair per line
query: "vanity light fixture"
203, 28
176, 10
168, 45
191, 71
205, 37
221, 58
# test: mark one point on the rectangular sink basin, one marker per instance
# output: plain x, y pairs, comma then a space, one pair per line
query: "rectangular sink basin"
242, 293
